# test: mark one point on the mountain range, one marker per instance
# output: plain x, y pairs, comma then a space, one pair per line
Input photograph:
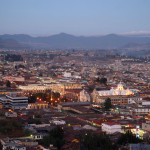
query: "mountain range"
67, 41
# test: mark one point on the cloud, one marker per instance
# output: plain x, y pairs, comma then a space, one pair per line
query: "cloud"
136, 33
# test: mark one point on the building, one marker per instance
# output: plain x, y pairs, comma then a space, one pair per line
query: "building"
4, 102
72, 94
38, 105
141, 110
84, 96
38, 136
145, 103
117, 96
77, 107
139, 146
14, 101
15, 79
62, 87
34, 88
146, 126
69, 104
67, 74
10, 114
12, 144
111, 127
58, 122
120, 90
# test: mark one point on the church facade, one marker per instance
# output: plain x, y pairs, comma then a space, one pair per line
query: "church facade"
118, 95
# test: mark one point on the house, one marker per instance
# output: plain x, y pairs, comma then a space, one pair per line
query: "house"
38, 136
111, 127
10, 114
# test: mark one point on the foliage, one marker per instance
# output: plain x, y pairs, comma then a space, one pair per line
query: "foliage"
1, 146
35, 121
51, 97
9, 125
107, 104
32, 99
56, 137
64, 99
38, 116
27, 132
8, 84
19, 66
128, 137
97, 142
102, 80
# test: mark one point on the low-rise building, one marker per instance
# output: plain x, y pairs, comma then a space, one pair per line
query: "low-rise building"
141, 110
111, 127
146, 126
34, 88
10, 114
38, 105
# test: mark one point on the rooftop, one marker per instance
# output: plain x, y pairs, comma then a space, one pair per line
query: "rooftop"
111, 123
74, 103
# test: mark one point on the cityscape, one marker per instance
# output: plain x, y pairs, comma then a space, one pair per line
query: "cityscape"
88, 90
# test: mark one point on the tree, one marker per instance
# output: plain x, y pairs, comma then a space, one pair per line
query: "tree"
56, 137
128, 137
32, 99
103, 80
107, 104
8, 84
27, 132
97, 142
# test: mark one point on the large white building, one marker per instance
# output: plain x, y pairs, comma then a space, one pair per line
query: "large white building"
118, 95
120, 90
111, 127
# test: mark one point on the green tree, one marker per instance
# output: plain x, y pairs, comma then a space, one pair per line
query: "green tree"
8, 84
103, 80
128, 137
97, 142
32, 99
27, 132
107, 104
56, 137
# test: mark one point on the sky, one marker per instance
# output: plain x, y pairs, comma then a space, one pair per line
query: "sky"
77, 17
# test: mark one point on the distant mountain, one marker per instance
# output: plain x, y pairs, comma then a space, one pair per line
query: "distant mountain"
67, 41
11, 44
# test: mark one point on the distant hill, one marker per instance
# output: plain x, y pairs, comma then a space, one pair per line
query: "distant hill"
67, 41
11, 44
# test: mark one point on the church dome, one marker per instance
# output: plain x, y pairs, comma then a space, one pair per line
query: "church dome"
120, 86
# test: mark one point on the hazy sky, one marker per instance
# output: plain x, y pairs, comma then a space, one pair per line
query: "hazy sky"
78, 17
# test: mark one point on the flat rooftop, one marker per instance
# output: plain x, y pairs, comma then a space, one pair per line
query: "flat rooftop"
74, 103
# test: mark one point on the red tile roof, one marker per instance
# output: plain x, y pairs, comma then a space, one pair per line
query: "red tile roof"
112, 123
